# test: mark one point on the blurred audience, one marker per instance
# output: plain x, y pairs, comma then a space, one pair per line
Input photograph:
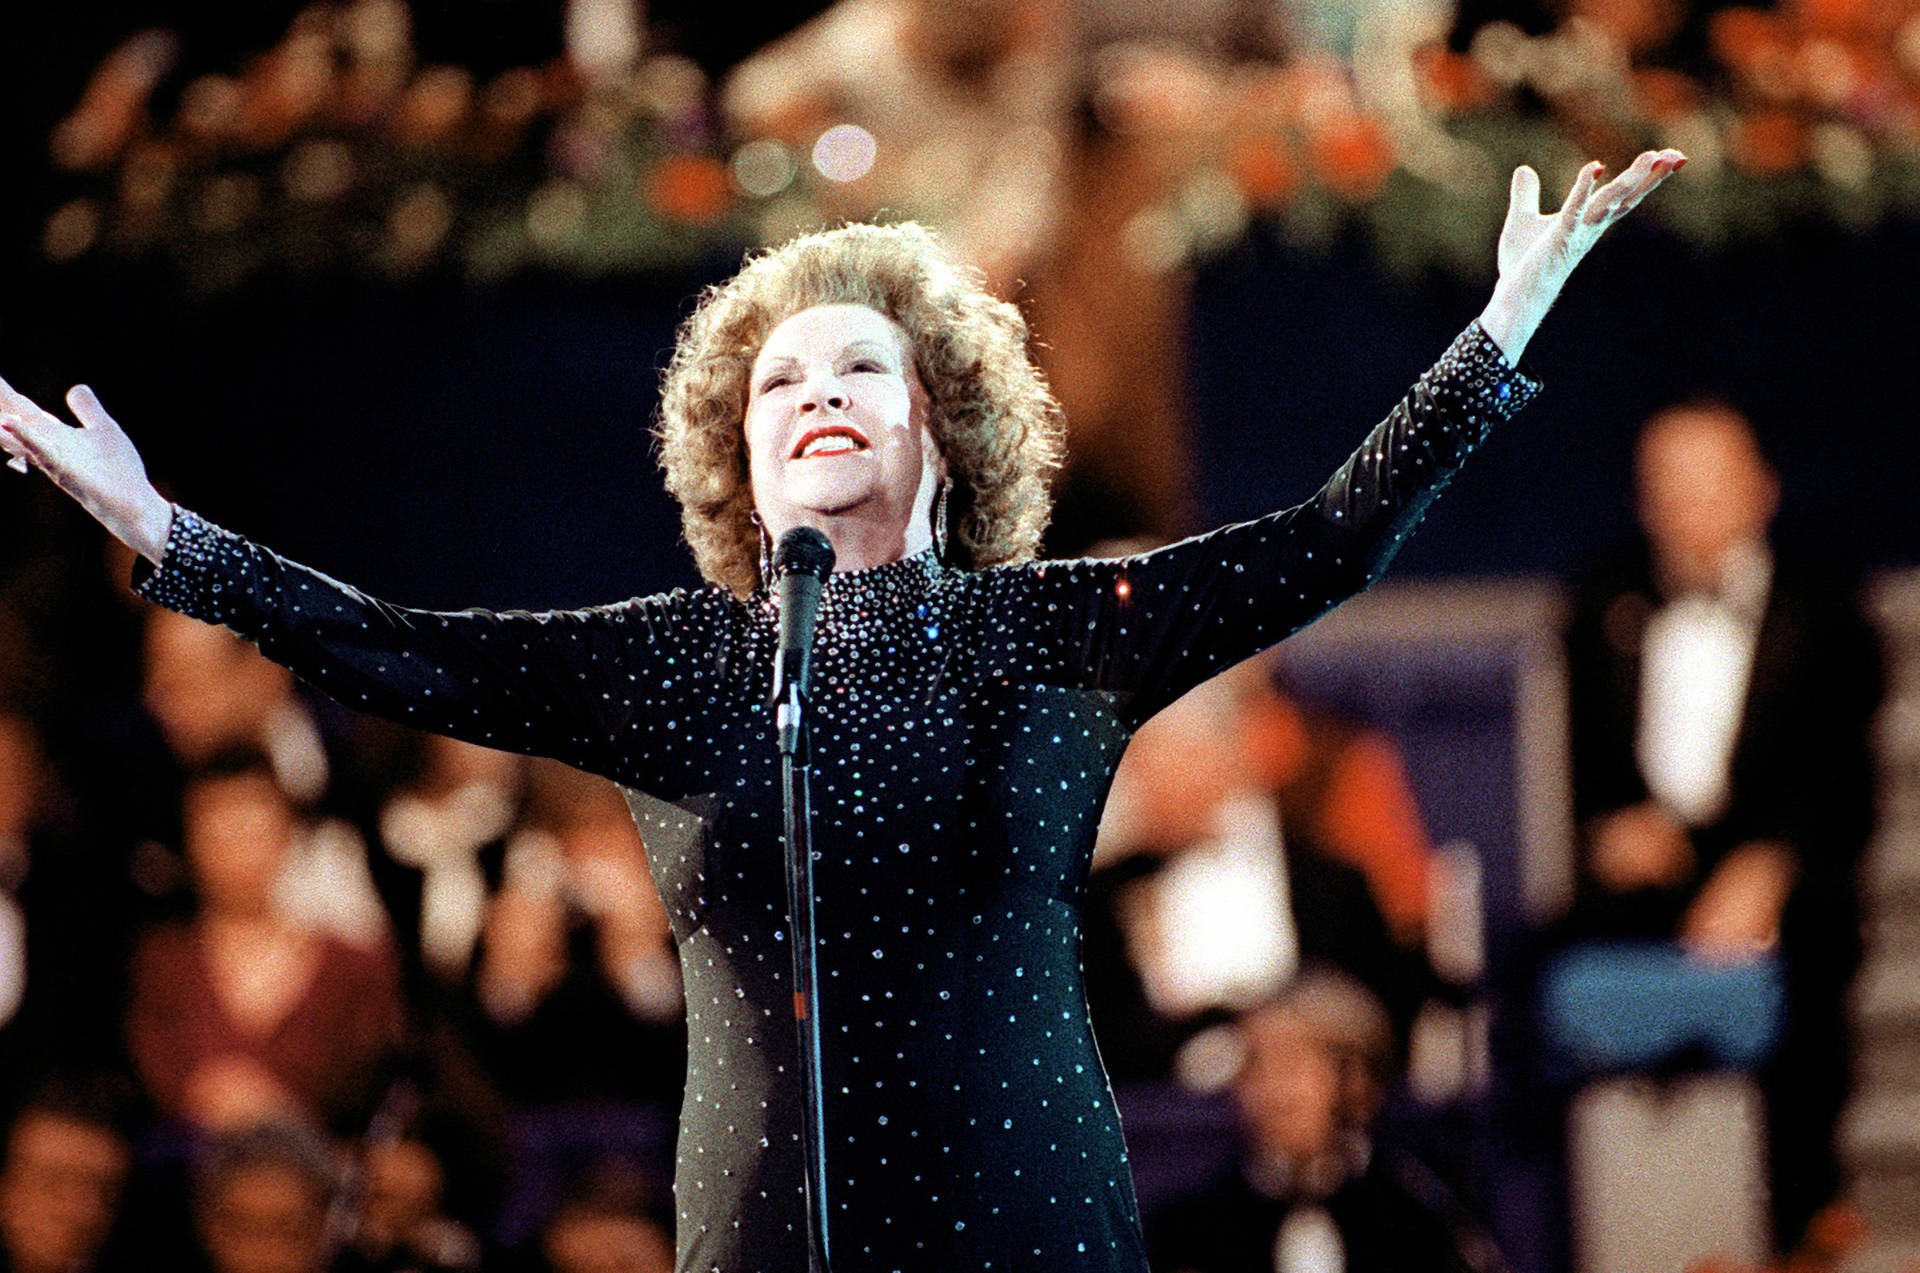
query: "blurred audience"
445, 828
262, 1198
211, 692
1213, 882
401, 1223
609, 1219
1343, 789
1722, 691
576, 985
576, 1013
1311, 1192
67, 904
69, 1150
238, 1015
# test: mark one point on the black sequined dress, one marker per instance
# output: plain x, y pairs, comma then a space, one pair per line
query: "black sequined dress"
966, 725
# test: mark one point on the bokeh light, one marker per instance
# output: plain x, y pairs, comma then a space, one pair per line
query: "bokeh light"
845, 153
763, 168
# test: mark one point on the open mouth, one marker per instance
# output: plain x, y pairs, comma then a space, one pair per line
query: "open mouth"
834, 439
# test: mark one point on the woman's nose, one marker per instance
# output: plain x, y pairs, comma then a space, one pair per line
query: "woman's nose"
824, 391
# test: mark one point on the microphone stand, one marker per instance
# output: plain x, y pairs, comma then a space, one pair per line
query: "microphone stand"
795, 770
796, 561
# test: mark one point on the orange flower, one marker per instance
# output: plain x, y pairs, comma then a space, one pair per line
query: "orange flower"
690, 188
1742, 36
1836, 15
1770, 142
1666, 93
1451, 82
1353, 157
1263, 169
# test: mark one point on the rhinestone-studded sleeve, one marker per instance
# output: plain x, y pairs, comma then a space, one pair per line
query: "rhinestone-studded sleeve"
558, 684
1157, 624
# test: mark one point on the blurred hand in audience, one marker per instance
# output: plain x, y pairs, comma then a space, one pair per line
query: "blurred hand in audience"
1736, 914
1640, 846
402, 1224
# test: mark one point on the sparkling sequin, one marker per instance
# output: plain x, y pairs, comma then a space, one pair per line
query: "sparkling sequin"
967, 725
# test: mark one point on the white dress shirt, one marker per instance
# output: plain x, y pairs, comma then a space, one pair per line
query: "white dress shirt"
1696, 662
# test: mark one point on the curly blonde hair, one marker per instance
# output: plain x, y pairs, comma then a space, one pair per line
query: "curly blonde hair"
990, 411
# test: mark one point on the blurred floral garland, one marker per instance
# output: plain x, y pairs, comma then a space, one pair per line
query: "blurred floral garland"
336, 151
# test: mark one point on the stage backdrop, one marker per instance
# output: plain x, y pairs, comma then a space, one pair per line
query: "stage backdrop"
446, 445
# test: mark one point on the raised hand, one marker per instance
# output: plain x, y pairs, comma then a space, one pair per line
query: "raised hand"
95, 463
1539, 251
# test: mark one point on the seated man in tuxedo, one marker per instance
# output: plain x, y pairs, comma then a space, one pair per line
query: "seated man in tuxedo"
1228, 859
1722, 689
1310, 1188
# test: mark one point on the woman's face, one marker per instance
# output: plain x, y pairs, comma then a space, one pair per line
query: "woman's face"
836, 428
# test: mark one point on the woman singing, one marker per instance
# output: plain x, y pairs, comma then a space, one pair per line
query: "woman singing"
969, 707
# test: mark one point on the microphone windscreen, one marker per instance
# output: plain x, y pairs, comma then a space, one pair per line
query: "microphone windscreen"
803, 550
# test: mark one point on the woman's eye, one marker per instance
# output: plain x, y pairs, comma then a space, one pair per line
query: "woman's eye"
867, 366
774, 382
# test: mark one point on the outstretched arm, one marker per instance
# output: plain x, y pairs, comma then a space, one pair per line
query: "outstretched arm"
580, 685
1157, 624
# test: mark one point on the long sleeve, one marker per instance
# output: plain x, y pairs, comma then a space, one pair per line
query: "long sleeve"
1155, 625
568, 684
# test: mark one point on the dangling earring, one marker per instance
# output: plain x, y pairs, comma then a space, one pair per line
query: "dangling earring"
766, 550
940, 524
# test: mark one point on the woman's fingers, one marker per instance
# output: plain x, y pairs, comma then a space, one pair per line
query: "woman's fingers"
1524, 198
19, 406
1665, 165
1579, 197
95, 463
87, 409
33, 437
1621, 195
16, 450
1538, 253
32, 429
16, 439
1608, 197
21, 442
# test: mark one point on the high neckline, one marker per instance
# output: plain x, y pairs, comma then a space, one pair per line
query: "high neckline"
923, 565
907, 579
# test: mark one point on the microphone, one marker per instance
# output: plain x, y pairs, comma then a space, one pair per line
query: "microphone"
801, 564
